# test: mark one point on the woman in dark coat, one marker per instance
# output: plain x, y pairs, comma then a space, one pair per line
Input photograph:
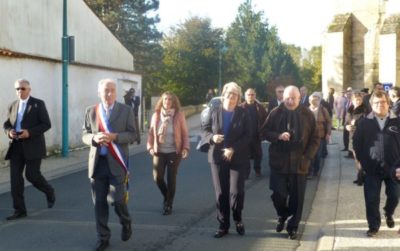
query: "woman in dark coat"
356, 111
227, 132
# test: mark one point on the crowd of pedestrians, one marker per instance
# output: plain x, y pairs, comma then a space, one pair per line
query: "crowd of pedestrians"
296, 125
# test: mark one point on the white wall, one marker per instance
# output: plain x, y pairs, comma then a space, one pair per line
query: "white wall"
45, 78
34, 27
332, 62
388, 59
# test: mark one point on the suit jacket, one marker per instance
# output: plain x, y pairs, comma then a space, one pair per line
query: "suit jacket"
272, 104
237, 138
36, 120
304, 101
121, 122
261, 116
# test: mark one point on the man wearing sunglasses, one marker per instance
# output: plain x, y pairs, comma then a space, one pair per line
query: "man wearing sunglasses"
26, 123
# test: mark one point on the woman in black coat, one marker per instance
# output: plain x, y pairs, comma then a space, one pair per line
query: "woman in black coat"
226, 130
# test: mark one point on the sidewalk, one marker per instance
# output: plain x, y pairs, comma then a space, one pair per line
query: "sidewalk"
337, 220
57, 166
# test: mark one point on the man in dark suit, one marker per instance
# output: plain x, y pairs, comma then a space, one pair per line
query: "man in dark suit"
304, 97
108, 130
27, 120
278, 100
134, 102
257, 115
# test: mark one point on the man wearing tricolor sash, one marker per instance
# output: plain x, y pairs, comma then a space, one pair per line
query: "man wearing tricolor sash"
108, 130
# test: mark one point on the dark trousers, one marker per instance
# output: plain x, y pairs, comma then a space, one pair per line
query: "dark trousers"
169, 162
288, 191
105, 185
324, 148
137, 129
346, 138
255, 151
372, 192
18, 163
229, 193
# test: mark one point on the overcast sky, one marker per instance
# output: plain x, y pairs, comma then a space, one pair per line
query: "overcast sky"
299, 22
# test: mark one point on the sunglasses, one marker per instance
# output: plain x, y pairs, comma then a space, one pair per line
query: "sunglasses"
20, 88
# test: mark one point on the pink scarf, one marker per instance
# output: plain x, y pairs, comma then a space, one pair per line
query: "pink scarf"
165, 117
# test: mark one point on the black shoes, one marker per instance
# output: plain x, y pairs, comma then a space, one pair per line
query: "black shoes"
389, 221
51, 199
292, 234
126, 232
17, 215
221, 233
240, 228
281, 224
102, 245
372, 232
344, 150
167, 210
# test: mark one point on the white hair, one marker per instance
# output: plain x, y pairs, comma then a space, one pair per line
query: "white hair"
105, 81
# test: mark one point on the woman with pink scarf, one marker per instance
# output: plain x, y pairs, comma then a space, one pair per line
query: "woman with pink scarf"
168, 143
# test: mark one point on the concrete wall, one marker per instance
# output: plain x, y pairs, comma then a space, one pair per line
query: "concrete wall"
35, 28
45, 78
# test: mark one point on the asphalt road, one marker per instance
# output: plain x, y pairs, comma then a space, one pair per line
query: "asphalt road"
70, 224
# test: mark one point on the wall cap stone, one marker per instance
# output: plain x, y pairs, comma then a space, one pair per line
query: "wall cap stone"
339, 23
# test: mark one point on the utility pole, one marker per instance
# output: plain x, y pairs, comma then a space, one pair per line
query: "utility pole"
65, 61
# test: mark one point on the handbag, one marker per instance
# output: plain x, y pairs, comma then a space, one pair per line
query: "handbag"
203, 146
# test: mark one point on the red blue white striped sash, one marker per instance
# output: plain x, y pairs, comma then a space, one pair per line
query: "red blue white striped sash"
104, 126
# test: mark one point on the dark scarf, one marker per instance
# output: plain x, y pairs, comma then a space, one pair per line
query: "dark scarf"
290, 122
362, 109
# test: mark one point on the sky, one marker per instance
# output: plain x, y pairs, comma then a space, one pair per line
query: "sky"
299, 22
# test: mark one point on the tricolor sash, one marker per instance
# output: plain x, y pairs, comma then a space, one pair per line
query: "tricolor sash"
104, 126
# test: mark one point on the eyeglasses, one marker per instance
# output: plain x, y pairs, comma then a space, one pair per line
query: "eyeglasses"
250, 94
379, 103
280, 91
20, 88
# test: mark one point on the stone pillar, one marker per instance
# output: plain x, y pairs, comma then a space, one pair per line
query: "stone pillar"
336, 54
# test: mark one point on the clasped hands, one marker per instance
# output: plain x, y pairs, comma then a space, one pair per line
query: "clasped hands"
103, 138
227, 152
23, 134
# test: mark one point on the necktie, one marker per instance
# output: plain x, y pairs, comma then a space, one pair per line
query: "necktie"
21, 109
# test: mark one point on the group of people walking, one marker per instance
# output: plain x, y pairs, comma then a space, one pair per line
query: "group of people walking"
233, 133
297, 126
